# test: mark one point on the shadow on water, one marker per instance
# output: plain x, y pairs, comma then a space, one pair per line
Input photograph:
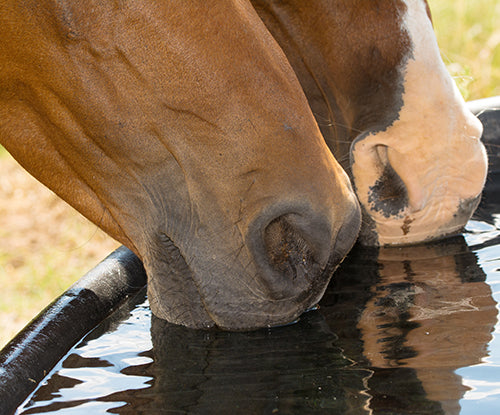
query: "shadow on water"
392, 329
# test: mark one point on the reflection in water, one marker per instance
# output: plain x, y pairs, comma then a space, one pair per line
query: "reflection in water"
427, 310
391, 330
288, 370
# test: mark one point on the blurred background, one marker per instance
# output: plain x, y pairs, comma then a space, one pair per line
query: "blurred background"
468, 33
45, 245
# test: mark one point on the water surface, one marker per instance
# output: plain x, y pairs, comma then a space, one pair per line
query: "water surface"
400, 331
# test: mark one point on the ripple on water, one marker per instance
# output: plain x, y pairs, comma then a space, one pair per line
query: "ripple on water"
97, 367
407, 330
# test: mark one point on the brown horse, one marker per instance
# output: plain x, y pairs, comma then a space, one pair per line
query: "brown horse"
183, 132
388, 110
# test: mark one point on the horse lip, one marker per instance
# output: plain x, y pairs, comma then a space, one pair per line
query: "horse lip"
197, 307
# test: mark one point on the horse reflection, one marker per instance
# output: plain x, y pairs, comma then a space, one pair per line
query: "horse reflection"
426, 313
294, 369
388, 337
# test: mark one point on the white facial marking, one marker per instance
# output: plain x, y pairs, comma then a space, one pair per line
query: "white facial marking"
433, 147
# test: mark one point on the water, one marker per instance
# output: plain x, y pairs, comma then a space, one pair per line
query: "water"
399, 331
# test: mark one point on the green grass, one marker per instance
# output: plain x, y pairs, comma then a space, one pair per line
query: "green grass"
468, 33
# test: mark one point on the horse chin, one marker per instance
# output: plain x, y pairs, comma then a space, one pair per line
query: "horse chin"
172, 292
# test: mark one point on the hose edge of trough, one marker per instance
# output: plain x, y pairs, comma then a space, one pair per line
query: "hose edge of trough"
33, 352
479, 105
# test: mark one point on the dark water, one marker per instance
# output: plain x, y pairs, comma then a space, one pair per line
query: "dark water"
399, 331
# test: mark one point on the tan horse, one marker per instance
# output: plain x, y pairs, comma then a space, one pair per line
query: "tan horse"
388, 110
182, 132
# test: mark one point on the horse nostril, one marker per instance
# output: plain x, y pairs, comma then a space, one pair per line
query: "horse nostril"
389, 194
292, 251
296, 249
287, 250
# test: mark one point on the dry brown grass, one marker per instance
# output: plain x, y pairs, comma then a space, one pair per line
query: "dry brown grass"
45, 246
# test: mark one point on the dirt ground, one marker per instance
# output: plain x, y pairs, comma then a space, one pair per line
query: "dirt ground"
45, 246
